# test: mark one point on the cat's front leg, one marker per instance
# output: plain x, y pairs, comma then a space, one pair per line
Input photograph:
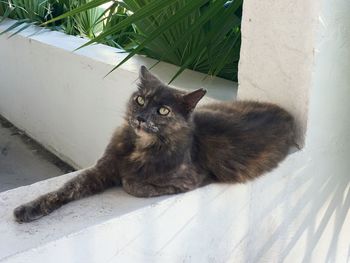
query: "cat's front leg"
87, 183
37, 208
91, 181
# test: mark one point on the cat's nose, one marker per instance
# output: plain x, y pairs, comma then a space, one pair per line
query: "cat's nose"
140, 119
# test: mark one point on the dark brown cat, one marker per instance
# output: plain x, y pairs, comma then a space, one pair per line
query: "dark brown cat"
165, 147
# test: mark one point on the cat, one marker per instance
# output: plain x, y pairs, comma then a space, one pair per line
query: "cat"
167, 147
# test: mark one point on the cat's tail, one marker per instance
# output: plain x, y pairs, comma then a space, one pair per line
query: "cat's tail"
278, 140
87, 183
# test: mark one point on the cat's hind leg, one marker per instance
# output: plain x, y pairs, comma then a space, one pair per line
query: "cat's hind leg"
180, 182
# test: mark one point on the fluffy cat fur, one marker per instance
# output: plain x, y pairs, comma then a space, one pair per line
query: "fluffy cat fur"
167, 147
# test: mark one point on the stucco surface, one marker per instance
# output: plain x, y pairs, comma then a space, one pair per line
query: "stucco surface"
277, 55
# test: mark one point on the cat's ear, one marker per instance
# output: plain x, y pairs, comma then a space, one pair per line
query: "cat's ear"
147, 78
191, 99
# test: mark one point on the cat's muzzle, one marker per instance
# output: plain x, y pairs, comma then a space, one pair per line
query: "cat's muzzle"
140, 126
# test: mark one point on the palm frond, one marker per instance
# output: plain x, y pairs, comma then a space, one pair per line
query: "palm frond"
203, 35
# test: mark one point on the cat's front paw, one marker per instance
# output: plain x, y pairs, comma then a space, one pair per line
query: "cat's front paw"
26, 213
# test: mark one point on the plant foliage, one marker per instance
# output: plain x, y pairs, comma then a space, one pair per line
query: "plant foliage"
36, 12
196, 34
203, 35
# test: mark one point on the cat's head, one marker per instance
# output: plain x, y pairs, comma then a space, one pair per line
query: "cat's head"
156, 109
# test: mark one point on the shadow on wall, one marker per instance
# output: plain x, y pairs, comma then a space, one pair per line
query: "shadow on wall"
310, 209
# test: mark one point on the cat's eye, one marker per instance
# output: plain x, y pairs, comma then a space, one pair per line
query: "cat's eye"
140, 101
163, 111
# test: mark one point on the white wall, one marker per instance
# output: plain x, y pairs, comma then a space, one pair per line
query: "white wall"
277, 55
297, 213
62, 99
303, 212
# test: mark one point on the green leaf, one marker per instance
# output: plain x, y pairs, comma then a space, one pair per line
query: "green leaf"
79, 9
6, 14
179, 15
139, 15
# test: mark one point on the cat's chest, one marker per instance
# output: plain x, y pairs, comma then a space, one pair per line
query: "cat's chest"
140, 162
149, 163
140, 156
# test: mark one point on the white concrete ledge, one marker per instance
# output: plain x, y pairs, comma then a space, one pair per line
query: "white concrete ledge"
17, 238
98, 228
288, 215
198, 226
